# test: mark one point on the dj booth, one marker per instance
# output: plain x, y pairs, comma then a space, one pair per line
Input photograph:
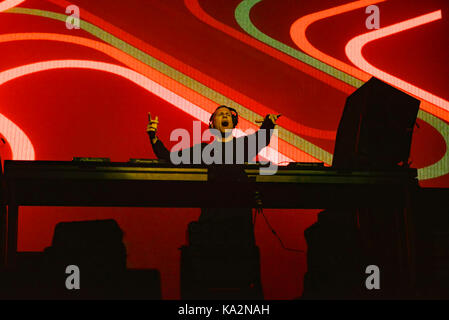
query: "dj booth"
369, 180
159, 184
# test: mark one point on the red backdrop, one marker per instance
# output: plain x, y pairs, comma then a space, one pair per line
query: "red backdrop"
83, 112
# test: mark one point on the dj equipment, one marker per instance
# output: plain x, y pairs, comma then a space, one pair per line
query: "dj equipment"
160, 184
375, 130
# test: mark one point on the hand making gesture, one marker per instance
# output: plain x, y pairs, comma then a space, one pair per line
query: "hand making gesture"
152, 128
272, 117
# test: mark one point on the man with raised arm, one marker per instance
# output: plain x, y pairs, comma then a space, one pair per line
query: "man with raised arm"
228, 229
225, 149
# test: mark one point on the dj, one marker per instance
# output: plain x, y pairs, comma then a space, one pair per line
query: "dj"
226, 227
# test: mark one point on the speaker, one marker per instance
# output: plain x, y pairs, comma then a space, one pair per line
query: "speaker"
97, 244
220, 273
34, 277
376, 127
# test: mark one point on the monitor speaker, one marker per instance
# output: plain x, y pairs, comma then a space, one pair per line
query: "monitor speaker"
376, 127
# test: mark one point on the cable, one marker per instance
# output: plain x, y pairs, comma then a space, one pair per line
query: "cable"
260, 210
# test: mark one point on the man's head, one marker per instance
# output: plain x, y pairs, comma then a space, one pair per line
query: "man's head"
224, 118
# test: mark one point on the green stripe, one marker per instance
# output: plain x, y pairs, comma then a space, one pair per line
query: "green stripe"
243, 19
242, 15
441, 167
207, 92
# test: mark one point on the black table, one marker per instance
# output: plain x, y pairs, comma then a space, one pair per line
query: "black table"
154, 184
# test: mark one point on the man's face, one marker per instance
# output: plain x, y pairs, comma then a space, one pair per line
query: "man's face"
223, 120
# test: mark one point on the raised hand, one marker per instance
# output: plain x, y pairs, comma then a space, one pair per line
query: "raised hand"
152, 128
152, 124
272, 117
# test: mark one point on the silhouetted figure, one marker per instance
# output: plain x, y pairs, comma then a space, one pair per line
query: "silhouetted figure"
334, 257
87, 260
97, 249
222, 261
